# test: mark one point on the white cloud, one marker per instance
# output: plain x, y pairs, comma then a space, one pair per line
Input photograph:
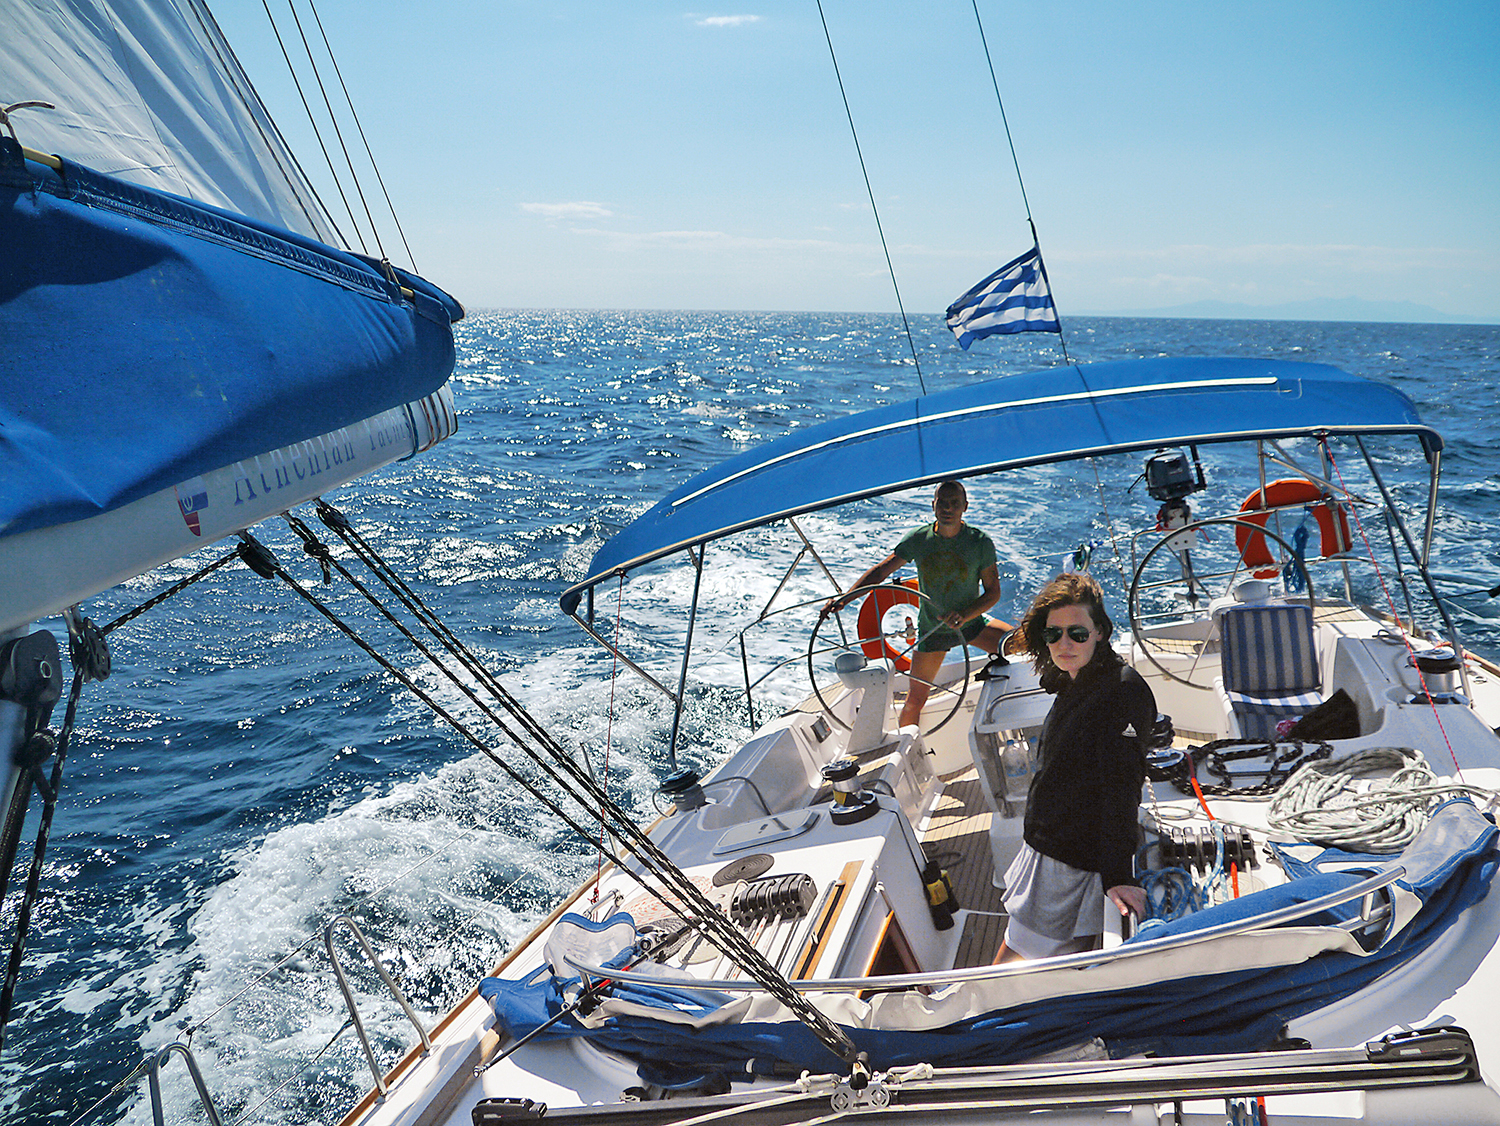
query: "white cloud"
723, 21
579, 210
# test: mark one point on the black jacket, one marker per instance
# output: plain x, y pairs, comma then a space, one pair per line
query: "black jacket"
1084, 802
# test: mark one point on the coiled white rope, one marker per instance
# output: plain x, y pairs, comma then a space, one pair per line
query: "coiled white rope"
1340, 802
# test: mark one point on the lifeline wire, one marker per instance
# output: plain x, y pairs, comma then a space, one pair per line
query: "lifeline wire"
871, 191
584, 790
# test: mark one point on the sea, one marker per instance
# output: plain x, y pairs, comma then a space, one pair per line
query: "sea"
247, 774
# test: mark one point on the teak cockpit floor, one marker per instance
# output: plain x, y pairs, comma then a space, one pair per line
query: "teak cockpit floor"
958, 837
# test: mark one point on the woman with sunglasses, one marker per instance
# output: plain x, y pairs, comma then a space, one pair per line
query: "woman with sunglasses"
1081, 831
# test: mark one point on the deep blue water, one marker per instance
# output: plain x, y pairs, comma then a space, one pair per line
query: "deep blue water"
246, 773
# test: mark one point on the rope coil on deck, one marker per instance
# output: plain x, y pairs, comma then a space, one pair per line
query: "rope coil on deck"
1342, 803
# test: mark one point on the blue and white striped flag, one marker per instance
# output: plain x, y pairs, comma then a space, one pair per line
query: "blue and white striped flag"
1012, 299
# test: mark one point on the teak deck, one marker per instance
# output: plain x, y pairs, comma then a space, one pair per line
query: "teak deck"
958, 838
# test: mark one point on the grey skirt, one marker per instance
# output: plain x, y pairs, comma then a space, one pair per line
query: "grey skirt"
1052, 899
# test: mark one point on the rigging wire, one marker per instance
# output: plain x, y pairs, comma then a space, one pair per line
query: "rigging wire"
545, 752
1009, 140
318, 133
337, 132
1003, 119
357, 124
911, 342
279, 151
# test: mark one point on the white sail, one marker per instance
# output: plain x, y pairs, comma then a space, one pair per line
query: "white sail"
149, 91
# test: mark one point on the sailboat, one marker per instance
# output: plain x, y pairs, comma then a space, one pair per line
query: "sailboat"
809, 929
190, 346
815, 926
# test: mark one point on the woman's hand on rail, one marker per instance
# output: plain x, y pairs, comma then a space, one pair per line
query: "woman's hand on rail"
1130, 899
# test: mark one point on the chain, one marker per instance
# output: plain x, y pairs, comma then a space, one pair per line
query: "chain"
1282, 761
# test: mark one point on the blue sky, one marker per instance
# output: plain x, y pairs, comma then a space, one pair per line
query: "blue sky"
650, 155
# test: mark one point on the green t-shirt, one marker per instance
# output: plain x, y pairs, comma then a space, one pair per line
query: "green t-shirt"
948, 568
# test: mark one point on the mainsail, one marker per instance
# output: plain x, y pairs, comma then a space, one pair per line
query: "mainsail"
149, 92
185, 352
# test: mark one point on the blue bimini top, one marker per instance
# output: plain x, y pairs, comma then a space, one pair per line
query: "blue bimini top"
1059, 414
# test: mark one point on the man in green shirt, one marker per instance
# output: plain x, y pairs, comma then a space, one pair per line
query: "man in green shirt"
956, 571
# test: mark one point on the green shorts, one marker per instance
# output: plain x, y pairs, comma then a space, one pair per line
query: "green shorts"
941, 640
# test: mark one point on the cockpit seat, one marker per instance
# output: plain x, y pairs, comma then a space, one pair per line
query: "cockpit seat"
1270, 665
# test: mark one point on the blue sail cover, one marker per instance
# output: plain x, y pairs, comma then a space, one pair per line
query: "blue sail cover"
148, 339
1448, 868
1054, 415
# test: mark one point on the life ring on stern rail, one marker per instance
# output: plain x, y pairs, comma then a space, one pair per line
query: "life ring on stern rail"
1333, 521
872, 613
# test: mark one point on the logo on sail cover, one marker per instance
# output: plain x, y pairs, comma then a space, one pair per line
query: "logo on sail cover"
192, 498
1129, 731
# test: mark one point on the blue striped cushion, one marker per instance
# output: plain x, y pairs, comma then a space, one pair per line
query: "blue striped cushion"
1258, 716
1268, 650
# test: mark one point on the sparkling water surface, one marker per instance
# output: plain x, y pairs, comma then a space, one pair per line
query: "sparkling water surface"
246, 773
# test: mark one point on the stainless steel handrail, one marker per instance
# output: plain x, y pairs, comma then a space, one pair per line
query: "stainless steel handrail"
395, 989
153, 1077
1290, 913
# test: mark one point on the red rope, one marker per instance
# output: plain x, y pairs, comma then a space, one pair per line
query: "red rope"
1390, 603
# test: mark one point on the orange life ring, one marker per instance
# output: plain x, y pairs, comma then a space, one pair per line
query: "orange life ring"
1333, 521
871, 616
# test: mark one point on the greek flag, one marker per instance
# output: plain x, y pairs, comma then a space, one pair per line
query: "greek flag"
1012, 299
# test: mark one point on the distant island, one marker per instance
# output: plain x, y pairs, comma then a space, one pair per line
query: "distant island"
1322, 309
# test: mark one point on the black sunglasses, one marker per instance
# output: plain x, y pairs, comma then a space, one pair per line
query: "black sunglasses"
1076, 634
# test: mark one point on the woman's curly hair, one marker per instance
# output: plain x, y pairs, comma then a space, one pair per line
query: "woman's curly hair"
1068, 590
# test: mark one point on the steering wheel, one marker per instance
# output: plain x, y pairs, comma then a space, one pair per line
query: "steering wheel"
1134, 606
882, 639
